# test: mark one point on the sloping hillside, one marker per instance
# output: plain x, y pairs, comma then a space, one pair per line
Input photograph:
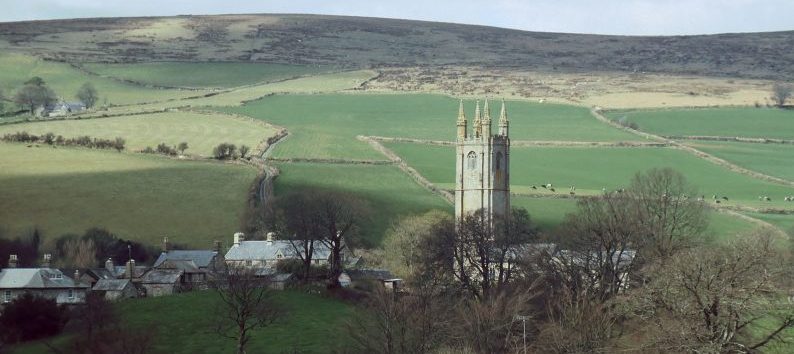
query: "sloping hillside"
353, 42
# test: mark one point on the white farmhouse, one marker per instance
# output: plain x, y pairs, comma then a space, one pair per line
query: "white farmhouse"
265, 254
45, 282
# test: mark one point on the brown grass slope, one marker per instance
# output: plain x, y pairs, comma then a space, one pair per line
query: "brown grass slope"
357, 42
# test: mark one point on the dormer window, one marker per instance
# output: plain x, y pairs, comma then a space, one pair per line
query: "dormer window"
7, 296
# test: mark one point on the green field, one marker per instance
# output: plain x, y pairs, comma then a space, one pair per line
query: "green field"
390, 193
210, 74
201, 131
591, 169
138, 197
313, 325
771, 159
783, 221
742, 122
325, 126
66, 80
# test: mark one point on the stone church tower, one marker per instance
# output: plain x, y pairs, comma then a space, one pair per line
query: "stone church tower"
482, 164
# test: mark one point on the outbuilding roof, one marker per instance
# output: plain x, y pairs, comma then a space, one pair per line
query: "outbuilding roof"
201, 258
36, 278
162, 276
111, 284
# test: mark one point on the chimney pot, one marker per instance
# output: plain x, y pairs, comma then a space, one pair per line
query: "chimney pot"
47, 260
109, 265
270, 236
166, 244
12, 261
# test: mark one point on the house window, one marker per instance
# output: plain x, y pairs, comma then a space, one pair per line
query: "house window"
7, 296
278, 256
249, 263
316, 261
471, 159
71, 294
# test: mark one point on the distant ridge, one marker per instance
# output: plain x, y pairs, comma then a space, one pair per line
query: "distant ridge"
362, 42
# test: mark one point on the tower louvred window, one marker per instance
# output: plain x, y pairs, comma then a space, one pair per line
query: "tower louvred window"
471, 158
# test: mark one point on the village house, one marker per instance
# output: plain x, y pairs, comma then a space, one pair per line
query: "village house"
116, 289
267, 253
197, 266
160, 282
61, 109
44, 281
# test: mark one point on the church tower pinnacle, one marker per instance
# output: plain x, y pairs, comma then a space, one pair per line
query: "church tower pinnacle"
486, 121
477, 121
461, 122
504, 124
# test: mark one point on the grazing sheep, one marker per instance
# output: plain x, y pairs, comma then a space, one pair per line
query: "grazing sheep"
768, 199
544, 186
533, 187
552, 189
548, 186
725, 198
717, 201
714, 196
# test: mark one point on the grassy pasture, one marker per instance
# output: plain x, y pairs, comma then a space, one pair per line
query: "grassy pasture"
66, 80
772, 159
312, 324
591, 169
140, 197
201, 131
389, 192
203, 74
325, 126
742, 122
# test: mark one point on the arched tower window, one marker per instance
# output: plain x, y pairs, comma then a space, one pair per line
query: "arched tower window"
471, 159
499, 160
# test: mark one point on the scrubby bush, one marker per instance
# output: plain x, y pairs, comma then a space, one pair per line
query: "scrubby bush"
31, 317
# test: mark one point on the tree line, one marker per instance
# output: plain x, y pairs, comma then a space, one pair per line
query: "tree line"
52, 139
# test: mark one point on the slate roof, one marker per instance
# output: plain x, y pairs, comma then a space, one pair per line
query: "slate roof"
162, 276
185, 265
201, 258
111, 284
100, 273
267, 250
121, 271
36, 278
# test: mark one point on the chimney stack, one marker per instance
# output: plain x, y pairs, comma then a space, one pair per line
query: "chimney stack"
166, 244
77, 276
110, 266
270, 236
12, 261
238, 237
47, 260
217, 246
130, 268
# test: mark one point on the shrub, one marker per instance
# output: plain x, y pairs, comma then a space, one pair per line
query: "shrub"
31, 317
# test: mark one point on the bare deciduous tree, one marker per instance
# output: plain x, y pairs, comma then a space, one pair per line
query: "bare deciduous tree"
415, 322
781, 93
709, 299
246, 304
301, 226
338, 216
671, 218
600, 241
